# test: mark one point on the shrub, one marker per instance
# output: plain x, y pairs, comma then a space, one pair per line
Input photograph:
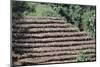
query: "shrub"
82, 57
45, 10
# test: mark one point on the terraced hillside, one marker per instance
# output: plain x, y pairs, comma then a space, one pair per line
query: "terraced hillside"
46, 40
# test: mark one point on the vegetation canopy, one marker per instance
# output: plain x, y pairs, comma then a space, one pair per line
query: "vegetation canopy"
82, 16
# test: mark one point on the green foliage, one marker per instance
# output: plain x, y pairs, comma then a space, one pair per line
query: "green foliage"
82, 57
31, 9
73, 12
88, 22
81, 16
18, 8
45, 10
84, 17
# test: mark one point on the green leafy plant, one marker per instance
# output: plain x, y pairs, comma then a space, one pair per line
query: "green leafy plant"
82, 57
45, 10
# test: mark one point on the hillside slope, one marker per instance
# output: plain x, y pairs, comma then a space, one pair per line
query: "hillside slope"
46, 40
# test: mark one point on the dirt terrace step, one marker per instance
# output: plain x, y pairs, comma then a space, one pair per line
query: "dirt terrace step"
32, 21
52, 44
65, 61
68, 43
51, 58
28, 26
78, 47
51, 41
23, 62
55, 53
41, 30
83, 38
48, 35
37, 17
20, 51
54, 29
53, 62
